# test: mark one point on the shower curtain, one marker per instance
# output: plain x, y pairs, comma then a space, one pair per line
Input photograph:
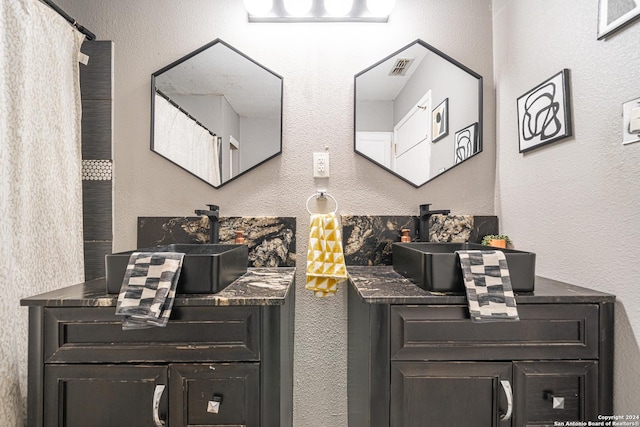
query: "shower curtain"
40, 178
186, 143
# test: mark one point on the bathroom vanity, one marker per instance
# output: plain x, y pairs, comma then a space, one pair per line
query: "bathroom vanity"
416, 359
224, 359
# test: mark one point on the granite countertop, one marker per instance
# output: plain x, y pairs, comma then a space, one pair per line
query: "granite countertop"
382, 285
259, 286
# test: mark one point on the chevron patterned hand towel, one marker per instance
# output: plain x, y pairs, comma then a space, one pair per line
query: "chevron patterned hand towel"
325, 259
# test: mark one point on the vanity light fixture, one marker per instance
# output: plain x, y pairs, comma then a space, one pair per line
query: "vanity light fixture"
338, 7
380, 7
319, 10
297, 8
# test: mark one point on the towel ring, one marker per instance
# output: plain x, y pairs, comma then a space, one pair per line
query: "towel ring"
322, 195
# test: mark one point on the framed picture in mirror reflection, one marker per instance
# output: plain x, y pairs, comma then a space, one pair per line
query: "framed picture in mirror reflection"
440, 119
466, 143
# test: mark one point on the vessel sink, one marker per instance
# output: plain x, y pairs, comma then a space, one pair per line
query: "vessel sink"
206, 268
436, 267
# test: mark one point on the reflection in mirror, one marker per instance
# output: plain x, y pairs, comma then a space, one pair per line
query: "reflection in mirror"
418, 113
216, 113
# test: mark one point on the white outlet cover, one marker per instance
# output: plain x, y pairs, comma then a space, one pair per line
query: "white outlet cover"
320, 165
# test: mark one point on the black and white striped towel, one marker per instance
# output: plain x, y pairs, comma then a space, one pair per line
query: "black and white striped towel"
148, 289
488, 285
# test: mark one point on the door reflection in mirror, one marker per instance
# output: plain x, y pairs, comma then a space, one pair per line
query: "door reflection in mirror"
409, 107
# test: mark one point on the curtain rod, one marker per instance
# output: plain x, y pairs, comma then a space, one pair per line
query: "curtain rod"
183, 111
89, 35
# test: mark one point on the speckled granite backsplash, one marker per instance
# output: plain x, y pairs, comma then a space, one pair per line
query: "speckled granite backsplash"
271, 240
461, 228
368, 239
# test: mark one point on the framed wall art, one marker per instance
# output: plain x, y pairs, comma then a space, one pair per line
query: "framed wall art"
440, 121
544, 113
466, 143
615, 14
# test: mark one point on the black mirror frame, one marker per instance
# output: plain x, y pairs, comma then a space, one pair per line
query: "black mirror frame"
185, 58
445, 57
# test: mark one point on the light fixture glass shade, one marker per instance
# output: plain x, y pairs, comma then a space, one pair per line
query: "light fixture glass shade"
338, 7
298, 7
258, 7
380, 7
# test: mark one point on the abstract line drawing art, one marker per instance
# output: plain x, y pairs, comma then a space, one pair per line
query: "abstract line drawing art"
466, 143
544, 113
440, 119
615, 14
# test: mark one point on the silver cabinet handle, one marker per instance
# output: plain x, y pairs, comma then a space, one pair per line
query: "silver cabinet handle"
157, 394
213, 406
509, 393
556, 402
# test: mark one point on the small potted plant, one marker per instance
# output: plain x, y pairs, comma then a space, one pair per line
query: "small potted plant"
496, 240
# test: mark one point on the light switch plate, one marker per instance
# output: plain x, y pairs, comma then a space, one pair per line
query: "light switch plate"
630, 120
634, 120
321, 165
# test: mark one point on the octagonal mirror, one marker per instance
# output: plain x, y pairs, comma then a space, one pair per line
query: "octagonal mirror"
216, 113
418, 113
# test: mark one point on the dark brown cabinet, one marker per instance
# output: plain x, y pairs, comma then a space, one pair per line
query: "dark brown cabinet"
457, 394
215, 395
556, 390
140, 395
101, 395
417, 360
222, 360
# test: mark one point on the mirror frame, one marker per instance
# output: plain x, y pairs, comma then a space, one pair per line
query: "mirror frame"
446, 58
187, 57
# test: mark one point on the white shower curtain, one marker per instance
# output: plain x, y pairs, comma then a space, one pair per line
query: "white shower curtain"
40, 177
181, 140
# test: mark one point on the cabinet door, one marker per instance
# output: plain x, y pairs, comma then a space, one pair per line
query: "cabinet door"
450, 394
211, 395
546, 392
104, 395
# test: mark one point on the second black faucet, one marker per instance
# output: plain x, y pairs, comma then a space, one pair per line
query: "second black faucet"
214, 222
425, 214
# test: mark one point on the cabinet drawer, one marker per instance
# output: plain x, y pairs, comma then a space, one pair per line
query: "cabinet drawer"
95, 335
549, 331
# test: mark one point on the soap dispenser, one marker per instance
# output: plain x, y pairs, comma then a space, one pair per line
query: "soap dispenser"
239, 236
405, 235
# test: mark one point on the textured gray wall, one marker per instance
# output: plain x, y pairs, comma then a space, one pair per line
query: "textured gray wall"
574, 202
318, 62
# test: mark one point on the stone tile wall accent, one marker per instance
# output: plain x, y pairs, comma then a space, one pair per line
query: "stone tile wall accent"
271, 240
368, 239
461, 228
96, 83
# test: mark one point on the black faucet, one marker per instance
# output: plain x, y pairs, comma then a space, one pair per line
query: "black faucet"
425, 214
214, 222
